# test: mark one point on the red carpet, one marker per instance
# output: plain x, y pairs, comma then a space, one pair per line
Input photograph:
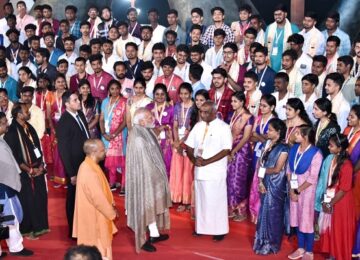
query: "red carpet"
181, 245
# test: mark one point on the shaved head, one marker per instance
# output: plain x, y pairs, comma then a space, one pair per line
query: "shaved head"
91, 146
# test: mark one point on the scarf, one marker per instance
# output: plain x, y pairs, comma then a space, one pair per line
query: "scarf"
272, 31
10, 171
305, 160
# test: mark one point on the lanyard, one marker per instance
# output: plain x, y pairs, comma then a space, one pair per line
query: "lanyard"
203, 139
331, 171
159, 118
110, 108
183, 114
14, 54
218, 100
133, 30
262, 76
72, 27
134, 71
42, 100
58, 104
351, 134
277, 37
267, 147
298, 158
98, 84
262, 125
288, 134
170, 82
235, 118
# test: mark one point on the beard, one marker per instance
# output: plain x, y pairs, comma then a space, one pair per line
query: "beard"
120, 76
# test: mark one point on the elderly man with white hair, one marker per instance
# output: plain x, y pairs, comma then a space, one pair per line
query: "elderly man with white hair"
147, 197
208, 145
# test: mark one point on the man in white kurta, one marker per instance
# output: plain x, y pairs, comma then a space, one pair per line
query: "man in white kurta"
208, 145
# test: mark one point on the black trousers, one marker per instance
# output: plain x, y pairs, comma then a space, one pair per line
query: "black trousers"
70, 206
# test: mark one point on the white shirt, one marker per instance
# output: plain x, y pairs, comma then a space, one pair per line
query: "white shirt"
280, 108
30, 65
157, 71
341, 108
183, 73
150, 87
319, 87
108, 65
213, 58
158, 34
303, 63
314, 42
206, 78
309, 105
71, 60
119, 46
37, 120
218, 138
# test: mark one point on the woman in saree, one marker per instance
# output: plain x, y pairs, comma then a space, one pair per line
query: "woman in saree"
260, 129
182, 169
272, 186
163, 113
54, 113
90, 107
112, 123
352, 132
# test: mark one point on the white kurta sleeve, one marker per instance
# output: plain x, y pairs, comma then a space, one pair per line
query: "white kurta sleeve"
227, 138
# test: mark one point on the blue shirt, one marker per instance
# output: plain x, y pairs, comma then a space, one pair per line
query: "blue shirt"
11, 87
54, 56
275, 60
266, 80
345, 43
196, 87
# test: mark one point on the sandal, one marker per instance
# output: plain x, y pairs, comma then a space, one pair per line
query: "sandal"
181, 208
239, 218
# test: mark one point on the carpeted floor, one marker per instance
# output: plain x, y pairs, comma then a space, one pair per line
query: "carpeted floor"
181, 245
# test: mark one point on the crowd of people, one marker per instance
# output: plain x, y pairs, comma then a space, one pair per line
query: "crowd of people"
250, 122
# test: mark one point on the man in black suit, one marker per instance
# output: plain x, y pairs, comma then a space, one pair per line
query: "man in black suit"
72, 131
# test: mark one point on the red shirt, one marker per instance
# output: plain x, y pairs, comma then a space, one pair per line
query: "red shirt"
173, 84
74, 82
99, 85
224, 104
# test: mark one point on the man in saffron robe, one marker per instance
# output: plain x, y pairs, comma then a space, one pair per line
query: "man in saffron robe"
94, 204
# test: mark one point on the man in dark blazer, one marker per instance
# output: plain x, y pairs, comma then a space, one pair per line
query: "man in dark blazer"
72, 131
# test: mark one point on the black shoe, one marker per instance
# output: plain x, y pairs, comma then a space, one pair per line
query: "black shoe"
3, 254
160, 238
24, 252
122, 193
148, 247
196, 234
113, 187
218, 238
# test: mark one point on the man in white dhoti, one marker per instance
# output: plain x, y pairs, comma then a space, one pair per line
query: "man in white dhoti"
208, 145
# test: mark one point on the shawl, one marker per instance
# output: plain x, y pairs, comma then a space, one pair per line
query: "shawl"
10, 171
147, 197
305, 160
354, 141
234, 71
145, 54
272, 32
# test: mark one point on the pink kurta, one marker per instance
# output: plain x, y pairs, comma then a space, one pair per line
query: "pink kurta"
302, 211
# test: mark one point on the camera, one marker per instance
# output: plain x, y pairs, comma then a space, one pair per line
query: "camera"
4, 230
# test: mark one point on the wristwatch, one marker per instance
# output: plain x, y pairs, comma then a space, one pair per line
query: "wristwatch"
328, 205
297, 192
